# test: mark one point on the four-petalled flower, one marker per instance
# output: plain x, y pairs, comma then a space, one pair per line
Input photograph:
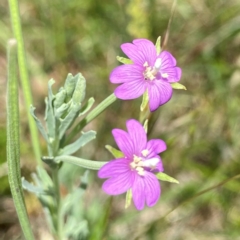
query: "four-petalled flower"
149, 71
136, 169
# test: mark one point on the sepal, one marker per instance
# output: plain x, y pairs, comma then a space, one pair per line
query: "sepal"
116, 153
158, 45
164, 177
124, 60
177, 85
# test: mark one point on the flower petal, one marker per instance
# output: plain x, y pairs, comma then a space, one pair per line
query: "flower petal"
138, 192
167, 60
126, 73
138, 135
114, 168
152, 189
133, 53
124, 142
159, 167
119, 184
173, 74
159, 92
155, 146
130, 90
148, 49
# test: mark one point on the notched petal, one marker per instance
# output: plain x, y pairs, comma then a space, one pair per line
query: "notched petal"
114, 168
160, 92
130, 90
137, 134
152, 189
126, 73
124, 142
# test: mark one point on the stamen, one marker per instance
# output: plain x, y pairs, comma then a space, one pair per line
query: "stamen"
145, 152
164, 75
152, 162
158, 63
145, 64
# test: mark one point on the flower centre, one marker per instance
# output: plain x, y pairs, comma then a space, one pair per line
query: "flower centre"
139, 164
151, 72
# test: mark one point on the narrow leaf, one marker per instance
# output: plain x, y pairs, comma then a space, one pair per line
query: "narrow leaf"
50, 93
124, 60
60, 98
164, 177
177, 85
44, 178
89, 164
69, 119
158, 45
116, 153
31, 188
62, 110
39, 124
80, 89
69, 86
80, 142
50, 119
87, 106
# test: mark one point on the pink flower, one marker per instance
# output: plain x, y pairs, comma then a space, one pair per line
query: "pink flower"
149, 71
136, 169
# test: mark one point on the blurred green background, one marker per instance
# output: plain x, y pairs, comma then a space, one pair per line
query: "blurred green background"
201, 125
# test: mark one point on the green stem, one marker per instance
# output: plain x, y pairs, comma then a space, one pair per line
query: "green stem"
13, 142
17, 30
57, 218
89, 164
93, 114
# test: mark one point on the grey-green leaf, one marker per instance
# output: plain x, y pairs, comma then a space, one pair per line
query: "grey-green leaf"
60, 98
50, 93
69, 86
31, 188
62, 110
164, 177
80, 89
85, 163
39, 124
50, 119
69, 119
80, 142
87, 106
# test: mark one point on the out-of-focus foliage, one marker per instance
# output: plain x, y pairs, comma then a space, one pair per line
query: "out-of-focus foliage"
201, 125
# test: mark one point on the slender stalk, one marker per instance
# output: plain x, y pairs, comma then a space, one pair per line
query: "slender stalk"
17, 30
13, 142
93, 114
57, 218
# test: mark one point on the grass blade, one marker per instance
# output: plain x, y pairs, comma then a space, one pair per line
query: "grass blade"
13, 142
17, 30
